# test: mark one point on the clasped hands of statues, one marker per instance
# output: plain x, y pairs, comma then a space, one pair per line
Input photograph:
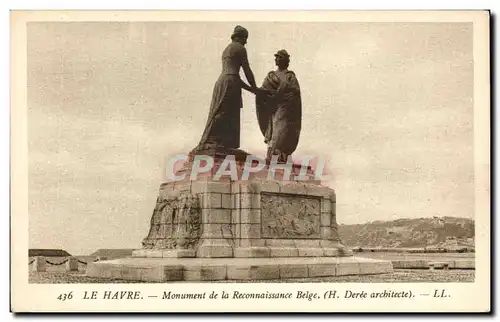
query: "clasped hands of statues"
273, 94
262, 91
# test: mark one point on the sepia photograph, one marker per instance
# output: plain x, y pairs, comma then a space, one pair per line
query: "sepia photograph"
263, 157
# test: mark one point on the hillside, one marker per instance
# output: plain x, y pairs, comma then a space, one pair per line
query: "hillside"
419, 232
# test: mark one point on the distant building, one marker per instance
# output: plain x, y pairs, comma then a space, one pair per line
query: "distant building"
113, 253
47, 252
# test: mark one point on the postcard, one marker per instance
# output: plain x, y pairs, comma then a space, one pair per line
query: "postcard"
250, 161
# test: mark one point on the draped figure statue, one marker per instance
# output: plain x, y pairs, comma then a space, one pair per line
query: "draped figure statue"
280, 114
223, 124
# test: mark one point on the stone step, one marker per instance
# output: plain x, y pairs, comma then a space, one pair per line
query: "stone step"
210, 269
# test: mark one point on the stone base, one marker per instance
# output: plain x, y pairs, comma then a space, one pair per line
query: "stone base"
210, 269
164, 253
282, 219
216, 251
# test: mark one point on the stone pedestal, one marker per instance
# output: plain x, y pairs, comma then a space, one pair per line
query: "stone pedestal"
256, 218
244, 229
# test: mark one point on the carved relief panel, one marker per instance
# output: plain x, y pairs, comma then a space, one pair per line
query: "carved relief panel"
290, 216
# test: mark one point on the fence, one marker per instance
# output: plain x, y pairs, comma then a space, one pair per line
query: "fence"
40, 263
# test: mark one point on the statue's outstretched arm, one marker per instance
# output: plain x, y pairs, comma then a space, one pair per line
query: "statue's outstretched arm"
247, 70
247, 87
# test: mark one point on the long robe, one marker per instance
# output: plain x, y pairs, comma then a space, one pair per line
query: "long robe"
223, 124
280, 120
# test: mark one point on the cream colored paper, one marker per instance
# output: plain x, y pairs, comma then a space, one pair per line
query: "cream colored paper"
464, 297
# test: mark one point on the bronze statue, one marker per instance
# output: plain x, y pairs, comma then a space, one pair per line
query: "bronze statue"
223, 124
280, 114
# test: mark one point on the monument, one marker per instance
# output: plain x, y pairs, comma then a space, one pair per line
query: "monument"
228, 215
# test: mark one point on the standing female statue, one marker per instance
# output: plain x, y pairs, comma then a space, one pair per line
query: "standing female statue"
223, 124
280, 115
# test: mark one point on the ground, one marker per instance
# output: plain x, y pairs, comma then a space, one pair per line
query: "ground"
416, 256
57, 274
400, 275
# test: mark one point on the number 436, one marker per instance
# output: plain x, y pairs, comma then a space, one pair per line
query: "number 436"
65, 296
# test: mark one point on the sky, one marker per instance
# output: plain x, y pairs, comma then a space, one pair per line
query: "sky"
390, 105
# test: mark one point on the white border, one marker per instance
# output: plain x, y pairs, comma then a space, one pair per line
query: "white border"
90, 4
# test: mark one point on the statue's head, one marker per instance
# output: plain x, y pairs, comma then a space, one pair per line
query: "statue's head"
282, 58
240, 34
